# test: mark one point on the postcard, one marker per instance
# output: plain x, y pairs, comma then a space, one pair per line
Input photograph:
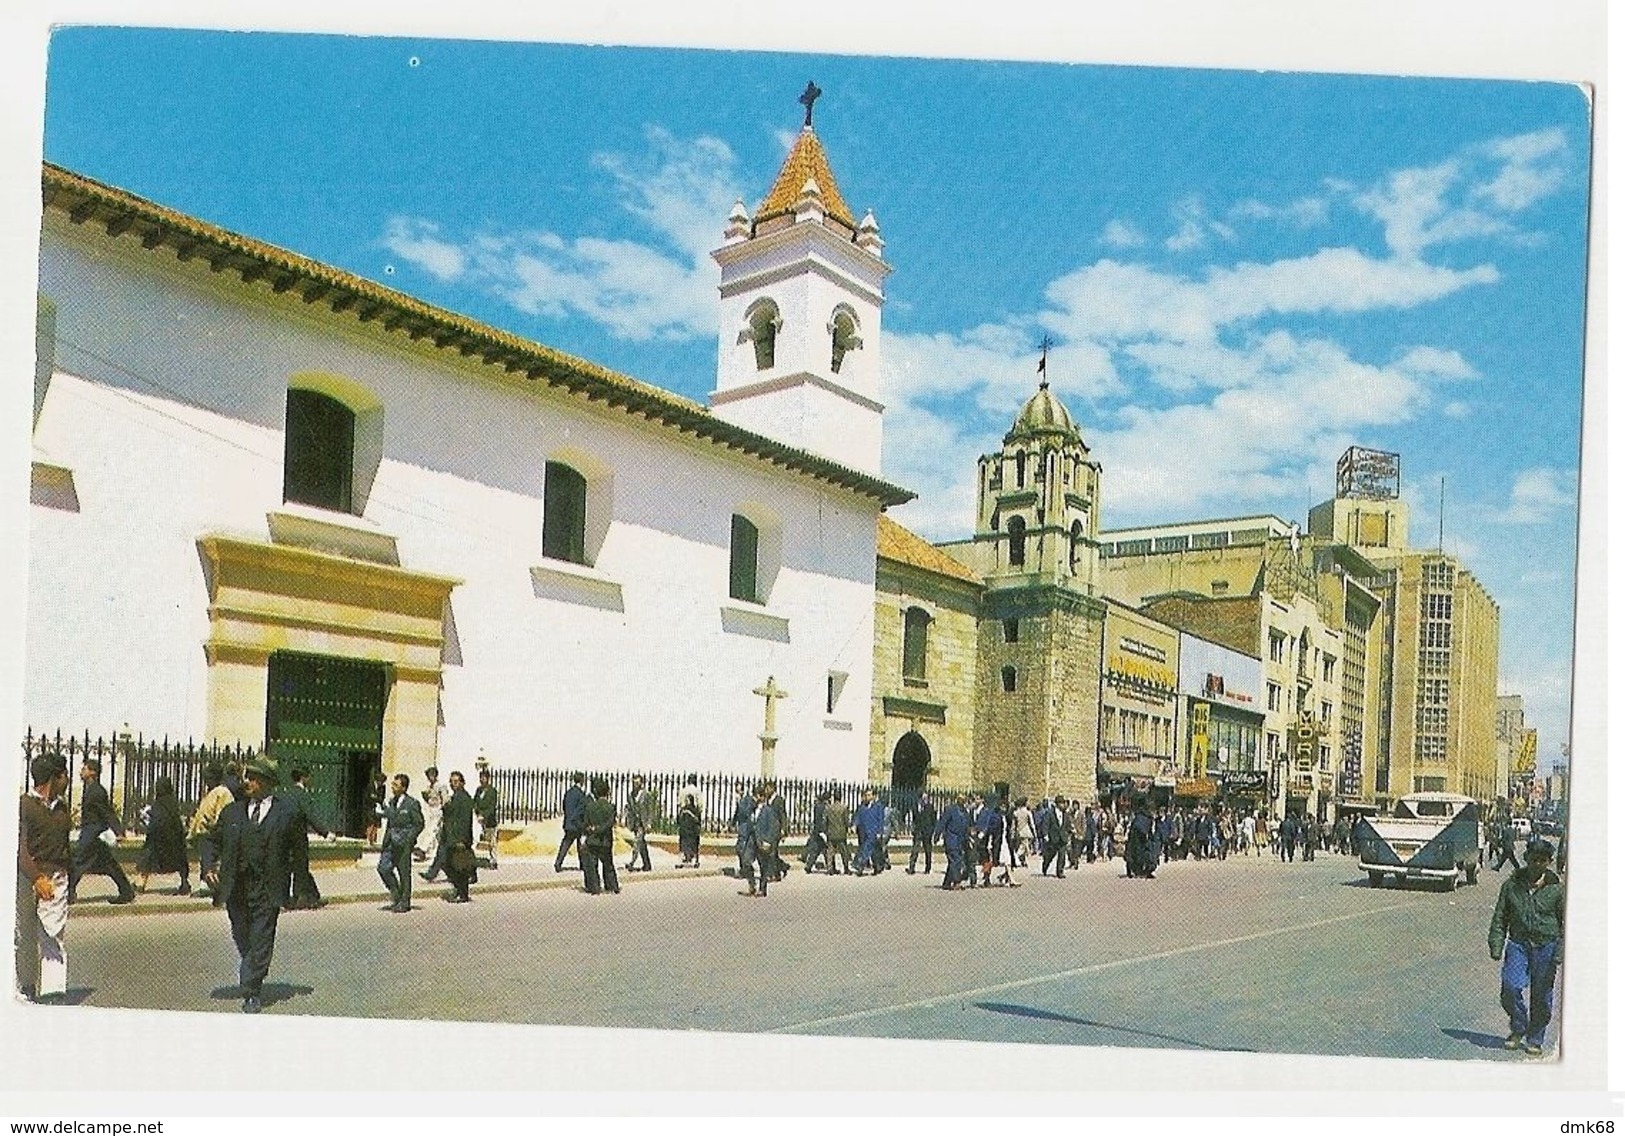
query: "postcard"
889, 550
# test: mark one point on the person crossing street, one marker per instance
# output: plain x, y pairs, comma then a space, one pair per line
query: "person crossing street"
1526, 937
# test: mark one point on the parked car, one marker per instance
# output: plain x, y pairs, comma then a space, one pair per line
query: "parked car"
1430, 836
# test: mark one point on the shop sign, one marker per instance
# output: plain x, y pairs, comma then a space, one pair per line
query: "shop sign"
1246, 781
1199, 738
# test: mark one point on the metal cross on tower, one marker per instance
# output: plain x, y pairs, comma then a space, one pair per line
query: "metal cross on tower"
808, 97
1043, 359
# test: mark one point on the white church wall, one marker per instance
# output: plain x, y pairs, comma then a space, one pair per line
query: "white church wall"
168, 407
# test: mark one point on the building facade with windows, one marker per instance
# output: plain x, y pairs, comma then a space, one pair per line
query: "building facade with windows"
277, 503
923, 717
1438, 634
1446, 647
1139, 704
1250, 584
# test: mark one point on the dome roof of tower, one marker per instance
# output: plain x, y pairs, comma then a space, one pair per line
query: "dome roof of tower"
1043, 414
806, 160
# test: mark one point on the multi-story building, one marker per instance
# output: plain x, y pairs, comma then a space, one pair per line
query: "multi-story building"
1221, 723
1139, 680
1252, 584
1508, 741
1441, 632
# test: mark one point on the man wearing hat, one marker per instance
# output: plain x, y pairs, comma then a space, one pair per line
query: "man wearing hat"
1527, 928
256, 860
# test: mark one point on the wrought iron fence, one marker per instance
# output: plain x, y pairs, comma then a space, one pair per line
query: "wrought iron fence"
538, 794
132, 764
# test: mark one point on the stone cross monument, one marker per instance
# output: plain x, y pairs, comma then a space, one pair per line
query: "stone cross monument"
770, 694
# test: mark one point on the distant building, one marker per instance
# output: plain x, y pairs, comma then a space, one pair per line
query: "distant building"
1508, 742
1442, 628
1252, 584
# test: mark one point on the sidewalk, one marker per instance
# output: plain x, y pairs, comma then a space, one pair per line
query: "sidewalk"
359, 883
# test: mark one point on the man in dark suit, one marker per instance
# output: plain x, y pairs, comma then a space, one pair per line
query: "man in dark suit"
767, 829
1057, 839
639, 815
575, 814
925, 827
953, 825
403, 818
457, 839
782, 808
597, 845
485, 808
256, 860
837, 825
303, 893
92, 856
814, 850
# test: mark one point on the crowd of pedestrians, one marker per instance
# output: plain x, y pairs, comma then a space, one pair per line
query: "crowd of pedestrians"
983, 838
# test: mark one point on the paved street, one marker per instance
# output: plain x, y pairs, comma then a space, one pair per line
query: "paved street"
1248, 955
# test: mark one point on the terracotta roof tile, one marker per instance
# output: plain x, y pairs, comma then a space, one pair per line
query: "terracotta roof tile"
805, 160
896, 543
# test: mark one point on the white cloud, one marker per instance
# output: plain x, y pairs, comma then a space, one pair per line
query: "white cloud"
1535, 165
1113, 301
1303, 213
416, 242
1431, 362
1539, 495
680, 190
1120, 234
1195, 226
1476, 193
1288, 407
1189, 385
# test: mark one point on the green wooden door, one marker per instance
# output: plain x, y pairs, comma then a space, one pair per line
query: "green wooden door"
326, 715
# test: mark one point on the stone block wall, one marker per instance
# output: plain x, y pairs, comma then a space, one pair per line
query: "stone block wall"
1042, 737
941, 708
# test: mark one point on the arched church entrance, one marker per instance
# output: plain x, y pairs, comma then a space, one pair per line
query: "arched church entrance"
909, 761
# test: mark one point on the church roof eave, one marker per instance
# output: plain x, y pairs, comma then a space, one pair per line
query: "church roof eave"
85, 200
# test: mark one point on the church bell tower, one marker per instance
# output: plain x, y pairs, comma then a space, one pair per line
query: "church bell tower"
1039, 497
801, 292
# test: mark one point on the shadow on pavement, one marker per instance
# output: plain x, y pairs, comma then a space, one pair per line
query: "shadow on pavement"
1051, 1016
1473, 1037
1395, 884
270, 994
73, 996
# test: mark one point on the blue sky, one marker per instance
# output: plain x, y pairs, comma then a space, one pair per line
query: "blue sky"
1244, 272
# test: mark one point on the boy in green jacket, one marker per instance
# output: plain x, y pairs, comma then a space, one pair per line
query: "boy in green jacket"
1527, 927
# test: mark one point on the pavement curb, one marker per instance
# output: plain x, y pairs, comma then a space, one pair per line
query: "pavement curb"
173, 905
